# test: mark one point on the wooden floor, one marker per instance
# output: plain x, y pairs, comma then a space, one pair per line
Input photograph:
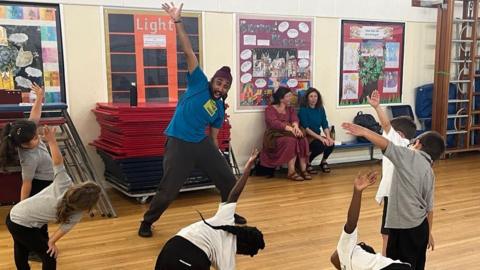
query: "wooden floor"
301, 222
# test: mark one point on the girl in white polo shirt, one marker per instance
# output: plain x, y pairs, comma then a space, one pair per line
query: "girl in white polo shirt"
351, 255
215, 241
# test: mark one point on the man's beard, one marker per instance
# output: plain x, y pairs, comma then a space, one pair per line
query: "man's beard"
212, 94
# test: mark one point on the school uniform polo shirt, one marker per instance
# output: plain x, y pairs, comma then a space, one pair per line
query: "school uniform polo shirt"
219, 246
353, 257
387, 166
36, 163
412, 189
40, 209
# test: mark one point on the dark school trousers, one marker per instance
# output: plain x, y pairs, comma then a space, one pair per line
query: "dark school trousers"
179, 254
29, 239
180, 159
409, 245
37, 186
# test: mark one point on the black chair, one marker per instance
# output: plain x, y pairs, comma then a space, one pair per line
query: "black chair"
405, 110
401, 110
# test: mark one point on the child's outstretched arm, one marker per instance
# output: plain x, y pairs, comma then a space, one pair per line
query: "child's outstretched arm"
374, 101
36, 112
49, 135
238, 188
362, 181
376, 139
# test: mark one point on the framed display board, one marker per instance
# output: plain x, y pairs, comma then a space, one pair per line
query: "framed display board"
427, 3
31, 50
272, 52
371, 57
142, 48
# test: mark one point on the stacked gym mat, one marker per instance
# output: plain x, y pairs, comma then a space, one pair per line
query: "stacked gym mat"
132, 145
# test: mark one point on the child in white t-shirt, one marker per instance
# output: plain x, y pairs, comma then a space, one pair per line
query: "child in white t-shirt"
62, 201
399, 131
215, 241
352, 256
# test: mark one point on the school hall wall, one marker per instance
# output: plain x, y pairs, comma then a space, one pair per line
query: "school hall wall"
365, 9
84, 47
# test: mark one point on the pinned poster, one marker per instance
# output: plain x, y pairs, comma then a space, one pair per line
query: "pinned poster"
31, 51
371, 59
272, 52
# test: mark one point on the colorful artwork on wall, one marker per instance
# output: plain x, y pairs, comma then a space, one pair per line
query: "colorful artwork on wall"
371, 59
31, 50
272, 52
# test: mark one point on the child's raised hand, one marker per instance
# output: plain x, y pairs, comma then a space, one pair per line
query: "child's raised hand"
174, 12
364, 180
353, 129
374, 99
39, 91
49, 133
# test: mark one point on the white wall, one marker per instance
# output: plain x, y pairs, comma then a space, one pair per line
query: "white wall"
358, 9
86, 76
418, 69
84, 54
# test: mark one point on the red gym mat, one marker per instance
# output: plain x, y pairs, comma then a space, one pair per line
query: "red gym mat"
138, 131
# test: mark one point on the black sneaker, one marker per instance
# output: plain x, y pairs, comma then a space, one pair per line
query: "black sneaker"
145, 229
239, 219
33, 257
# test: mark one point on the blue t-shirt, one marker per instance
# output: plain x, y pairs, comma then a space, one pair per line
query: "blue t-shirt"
313, 118
196, 110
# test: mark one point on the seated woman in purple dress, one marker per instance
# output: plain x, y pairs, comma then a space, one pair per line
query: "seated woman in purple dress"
284, 142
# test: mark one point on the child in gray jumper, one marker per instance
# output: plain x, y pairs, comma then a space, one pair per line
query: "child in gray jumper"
22, 138
410, 209
62, 202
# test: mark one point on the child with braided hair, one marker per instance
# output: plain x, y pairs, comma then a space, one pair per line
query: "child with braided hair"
215, 241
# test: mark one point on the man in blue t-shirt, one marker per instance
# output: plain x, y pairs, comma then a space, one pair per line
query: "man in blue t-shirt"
187, 146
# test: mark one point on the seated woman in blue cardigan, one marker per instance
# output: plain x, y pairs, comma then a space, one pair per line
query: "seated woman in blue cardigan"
312, 116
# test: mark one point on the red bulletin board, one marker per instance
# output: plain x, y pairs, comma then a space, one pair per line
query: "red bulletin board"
163, 36
272, 52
